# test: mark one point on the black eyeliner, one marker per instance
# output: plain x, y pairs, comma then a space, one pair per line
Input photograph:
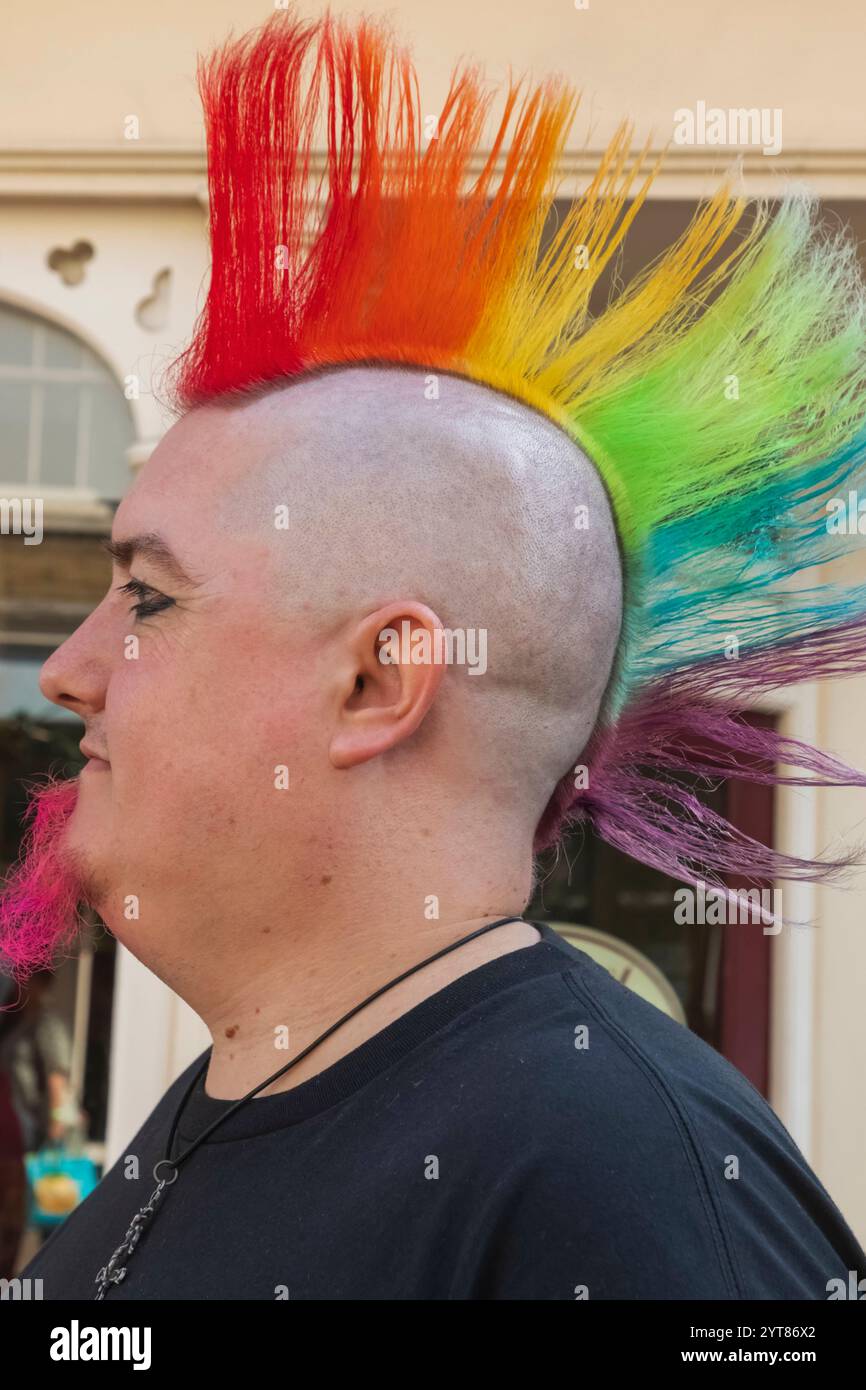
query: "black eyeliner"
145, 607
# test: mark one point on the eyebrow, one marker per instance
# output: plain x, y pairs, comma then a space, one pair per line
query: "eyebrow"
152, 546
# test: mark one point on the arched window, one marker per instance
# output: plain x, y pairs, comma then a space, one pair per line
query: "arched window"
65, 422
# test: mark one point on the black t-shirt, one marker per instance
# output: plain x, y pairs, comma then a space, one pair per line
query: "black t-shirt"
534, 1130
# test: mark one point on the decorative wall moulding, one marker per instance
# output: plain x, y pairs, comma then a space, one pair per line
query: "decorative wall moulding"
115, 175
179, 175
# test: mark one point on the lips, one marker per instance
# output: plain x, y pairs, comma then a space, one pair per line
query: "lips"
93, 755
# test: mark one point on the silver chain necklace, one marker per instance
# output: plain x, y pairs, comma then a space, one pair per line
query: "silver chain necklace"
115, 1270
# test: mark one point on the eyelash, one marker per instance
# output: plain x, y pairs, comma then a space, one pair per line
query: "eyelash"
145, 607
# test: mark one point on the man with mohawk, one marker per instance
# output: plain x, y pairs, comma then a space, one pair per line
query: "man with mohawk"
394, 411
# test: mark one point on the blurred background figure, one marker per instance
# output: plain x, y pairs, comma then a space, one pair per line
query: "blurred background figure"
13, 1181
38, 1108
36, 1059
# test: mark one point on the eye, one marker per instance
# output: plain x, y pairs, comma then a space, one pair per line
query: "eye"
146, 605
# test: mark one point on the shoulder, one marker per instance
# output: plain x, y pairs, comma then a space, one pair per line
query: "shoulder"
580, 1047
647, 1159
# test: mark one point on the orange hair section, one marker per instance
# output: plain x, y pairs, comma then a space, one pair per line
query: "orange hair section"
399, 247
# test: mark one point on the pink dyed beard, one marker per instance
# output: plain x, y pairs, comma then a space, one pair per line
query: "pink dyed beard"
39, 914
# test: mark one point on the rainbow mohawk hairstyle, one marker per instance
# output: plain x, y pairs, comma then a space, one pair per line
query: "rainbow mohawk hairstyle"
721, 395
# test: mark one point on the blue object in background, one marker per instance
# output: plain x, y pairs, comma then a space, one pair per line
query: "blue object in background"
80, 1169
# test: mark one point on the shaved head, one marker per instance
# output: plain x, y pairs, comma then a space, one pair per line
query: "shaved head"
264, 758
464, 499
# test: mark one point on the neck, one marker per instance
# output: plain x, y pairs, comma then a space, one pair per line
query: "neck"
279, 958
256, 1031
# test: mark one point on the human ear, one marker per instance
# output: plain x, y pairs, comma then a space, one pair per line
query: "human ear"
392, 673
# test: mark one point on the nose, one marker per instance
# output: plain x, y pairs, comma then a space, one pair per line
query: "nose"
75, 675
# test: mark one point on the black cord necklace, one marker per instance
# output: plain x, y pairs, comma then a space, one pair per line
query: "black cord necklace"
115, 1270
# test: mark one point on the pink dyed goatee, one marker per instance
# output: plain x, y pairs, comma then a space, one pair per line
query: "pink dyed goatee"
39, 902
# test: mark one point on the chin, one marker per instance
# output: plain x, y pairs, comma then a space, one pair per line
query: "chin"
89, 825
87, 842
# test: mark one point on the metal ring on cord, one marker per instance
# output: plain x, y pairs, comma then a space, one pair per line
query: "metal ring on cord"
167, 1181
